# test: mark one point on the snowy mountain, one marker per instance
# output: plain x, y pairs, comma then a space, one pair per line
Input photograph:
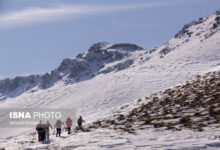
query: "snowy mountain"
85, 65
107, 76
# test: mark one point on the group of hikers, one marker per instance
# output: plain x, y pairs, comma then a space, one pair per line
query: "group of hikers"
43, 129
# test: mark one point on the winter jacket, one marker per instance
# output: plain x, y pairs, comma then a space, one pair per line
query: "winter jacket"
68, 122
40, 127
58, 124
48, 126
80, 121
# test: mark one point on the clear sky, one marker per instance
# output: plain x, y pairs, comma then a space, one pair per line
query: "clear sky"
36, 35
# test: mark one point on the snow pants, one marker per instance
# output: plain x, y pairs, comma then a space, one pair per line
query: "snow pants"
69, 129
58, 131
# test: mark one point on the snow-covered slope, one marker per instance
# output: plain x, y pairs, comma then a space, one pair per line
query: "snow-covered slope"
109, 75
192, 105
171, 119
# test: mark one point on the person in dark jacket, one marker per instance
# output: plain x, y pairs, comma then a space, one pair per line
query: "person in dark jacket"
80, 121
41, 131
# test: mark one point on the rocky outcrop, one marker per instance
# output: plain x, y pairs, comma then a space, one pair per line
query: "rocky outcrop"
193, 105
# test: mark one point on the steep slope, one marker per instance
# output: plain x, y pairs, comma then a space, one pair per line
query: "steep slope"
109, 75
194, 105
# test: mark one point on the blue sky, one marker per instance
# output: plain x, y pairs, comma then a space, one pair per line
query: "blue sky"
35, 35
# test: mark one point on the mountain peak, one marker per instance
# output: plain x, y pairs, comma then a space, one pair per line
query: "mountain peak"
99, 46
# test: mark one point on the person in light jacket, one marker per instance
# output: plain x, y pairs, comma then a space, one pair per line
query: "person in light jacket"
58, 126
69, 124
47, 129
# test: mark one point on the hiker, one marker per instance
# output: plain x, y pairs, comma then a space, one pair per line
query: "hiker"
80, 121
58, 127
41, 131
69, 124
47, 129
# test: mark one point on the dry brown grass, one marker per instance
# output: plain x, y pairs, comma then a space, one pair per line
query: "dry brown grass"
199, 95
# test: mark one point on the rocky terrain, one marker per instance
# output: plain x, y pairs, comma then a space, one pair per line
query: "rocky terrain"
193, 105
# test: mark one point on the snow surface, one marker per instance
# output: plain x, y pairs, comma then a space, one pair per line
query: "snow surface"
98, 97
154, 139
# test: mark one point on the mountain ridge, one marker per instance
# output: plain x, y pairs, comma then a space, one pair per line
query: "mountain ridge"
103, 57
101, 54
